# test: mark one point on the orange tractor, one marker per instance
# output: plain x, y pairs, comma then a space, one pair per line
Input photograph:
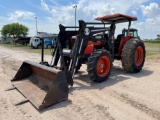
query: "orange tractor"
97, 47
93, 44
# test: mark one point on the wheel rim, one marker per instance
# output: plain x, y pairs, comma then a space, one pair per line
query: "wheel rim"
138, 56
103, 66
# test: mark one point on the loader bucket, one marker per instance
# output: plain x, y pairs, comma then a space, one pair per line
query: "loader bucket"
41, 85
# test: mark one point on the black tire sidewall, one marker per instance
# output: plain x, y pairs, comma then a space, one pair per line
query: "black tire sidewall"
138, 68
128, 52
97, 58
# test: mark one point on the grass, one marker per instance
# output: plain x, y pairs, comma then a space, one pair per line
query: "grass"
151, 48
151, 52
152, 45
25, 48
11, 45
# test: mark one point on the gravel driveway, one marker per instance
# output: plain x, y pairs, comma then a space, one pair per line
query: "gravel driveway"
123, 96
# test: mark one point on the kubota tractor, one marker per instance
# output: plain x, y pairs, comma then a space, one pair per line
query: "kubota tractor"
93, 44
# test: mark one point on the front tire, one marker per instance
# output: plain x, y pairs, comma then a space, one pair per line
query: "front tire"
49, 46
99, 65
133, 55
39, 47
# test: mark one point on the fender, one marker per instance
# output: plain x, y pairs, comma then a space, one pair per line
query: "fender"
123, 41
89, 48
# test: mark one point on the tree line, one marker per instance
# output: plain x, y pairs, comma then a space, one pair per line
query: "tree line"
14, 30
157, 40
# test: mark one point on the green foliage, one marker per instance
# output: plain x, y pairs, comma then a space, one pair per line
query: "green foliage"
152, 41
15, 30
152, 52
26, 48
152, 48
157, 40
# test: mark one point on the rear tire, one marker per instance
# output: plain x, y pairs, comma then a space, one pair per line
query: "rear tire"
133, 55
99, 65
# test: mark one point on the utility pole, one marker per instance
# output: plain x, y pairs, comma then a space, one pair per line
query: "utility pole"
36, 25
75, 7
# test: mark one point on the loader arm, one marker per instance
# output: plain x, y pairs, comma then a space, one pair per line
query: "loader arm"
85, 35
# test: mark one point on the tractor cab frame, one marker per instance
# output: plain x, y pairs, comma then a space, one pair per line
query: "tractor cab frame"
133, 32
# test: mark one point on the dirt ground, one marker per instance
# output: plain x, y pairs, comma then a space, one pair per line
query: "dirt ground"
123, 96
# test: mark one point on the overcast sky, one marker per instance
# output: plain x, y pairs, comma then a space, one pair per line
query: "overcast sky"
51, 13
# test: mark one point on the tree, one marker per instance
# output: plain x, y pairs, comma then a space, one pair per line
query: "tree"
15, 30
158, 35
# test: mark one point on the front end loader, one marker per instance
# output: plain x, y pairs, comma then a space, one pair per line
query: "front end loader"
43, 84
